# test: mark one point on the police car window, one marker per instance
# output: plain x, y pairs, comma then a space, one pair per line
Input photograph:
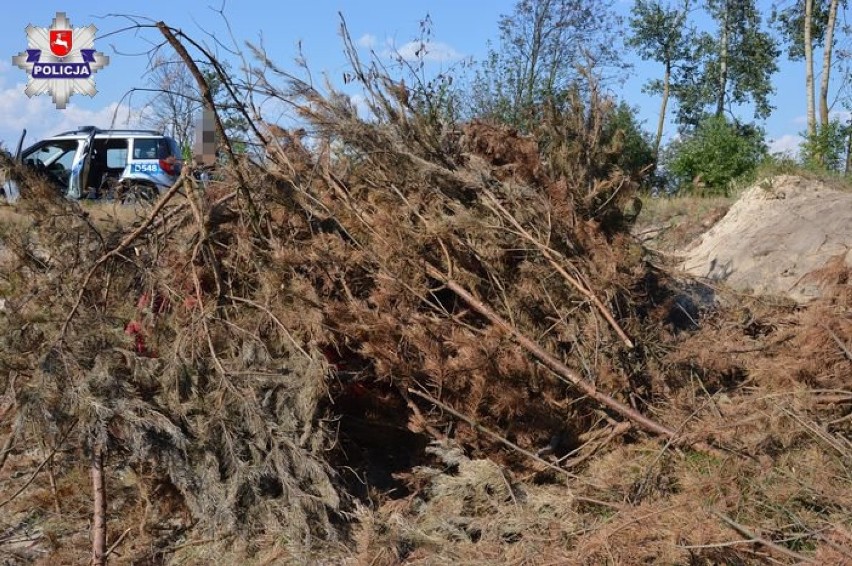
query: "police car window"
59, 152
116, 157
66, 157
149, 149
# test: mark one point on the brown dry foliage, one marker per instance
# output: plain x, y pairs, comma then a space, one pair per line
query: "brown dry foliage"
279, 327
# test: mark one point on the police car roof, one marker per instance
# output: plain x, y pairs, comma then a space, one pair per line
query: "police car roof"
87, 130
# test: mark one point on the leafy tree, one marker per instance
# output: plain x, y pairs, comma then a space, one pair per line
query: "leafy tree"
637, 151
172, 109
735, 65
717, 152
661, 34
543, 45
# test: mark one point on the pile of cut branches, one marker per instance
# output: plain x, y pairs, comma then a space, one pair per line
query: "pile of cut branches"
295, 334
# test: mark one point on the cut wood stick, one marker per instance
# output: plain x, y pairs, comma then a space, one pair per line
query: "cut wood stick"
550, 361
746, 532
117, 542
838, 341
548, 253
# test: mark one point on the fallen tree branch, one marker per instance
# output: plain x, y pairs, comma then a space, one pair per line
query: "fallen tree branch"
550, 255
838, 341
40, 467
744, 531
117, 542
551, 362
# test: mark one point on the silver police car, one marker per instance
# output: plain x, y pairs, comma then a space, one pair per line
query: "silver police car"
93, 163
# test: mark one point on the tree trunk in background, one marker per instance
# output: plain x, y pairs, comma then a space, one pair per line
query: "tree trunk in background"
536, 51
826, 63
660, 123
849, 150
99, 531
723, 62
809, 67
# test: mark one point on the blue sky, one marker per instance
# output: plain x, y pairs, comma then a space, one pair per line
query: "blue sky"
460, 29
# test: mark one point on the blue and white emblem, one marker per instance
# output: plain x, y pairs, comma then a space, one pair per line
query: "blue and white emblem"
60, 60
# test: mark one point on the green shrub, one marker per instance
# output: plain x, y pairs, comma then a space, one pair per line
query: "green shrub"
637, 152
825, 150
715, 154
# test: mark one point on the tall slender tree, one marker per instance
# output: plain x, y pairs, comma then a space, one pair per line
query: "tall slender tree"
174, 106
735, 65
826, 61
176, 102
805, 26
809, 64
661, 33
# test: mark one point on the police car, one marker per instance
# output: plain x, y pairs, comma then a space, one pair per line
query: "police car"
93, 163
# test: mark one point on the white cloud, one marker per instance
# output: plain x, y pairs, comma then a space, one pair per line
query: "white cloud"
787, 145
431, 51
41, 118
367, 40
843, 115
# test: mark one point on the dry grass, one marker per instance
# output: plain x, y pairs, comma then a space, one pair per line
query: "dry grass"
669, 224
11, 217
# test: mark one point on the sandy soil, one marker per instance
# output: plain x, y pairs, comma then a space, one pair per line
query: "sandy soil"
779, 232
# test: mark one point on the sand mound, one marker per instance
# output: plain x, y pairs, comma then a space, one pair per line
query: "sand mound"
778, 233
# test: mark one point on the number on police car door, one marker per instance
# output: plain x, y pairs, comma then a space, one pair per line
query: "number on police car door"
145, 168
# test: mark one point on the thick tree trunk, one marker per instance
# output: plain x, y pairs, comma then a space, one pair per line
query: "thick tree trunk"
849, 150
99, 530
723, 63
826, 63
809, 66
661, 122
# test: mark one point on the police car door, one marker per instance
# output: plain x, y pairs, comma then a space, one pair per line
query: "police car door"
77, 182
10, 185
